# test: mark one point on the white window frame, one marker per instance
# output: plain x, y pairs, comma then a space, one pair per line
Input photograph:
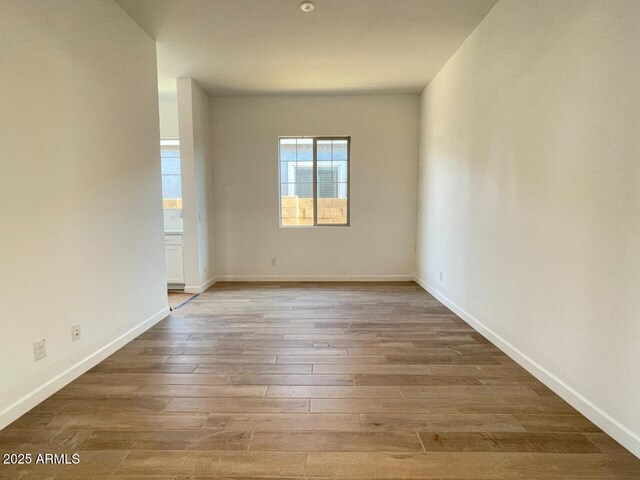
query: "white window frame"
315, 181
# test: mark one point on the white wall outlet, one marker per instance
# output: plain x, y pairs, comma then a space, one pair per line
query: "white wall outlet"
39, 350
273, 262
75, 332
441, 276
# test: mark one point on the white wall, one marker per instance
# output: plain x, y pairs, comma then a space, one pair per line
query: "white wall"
80, 192
380, 242
197, 185
168, 104
529, 196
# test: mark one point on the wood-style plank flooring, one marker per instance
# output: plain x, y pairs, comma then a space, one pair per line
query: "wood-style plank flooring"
313, 380
177, 299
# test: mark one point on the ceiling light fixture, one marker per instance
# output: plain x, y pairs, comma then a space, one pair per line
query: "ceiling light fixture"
307, 7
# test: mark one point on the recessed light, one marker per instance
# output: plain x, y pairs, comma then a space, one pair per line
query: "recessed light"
307, 7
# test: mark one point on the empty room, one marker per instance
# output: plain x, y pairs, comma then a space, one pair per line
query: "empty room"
351, 239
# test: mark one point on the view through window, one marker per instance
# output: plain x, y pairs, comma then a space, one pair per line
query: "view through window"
171, 185
171, 181
314, 181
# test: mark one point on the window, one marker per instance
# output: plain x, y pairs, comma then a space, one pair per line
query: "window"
314, 181
171, 180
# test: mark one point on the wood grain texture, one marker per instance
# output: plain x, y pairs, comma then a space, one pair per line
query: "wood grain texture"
292, 380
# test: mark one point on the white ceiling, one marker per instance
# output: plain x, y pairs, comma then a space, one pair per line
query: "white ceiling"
270, 46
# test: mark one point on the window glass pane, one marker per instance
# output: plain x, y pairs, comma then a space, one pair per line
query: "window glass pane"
304, 149
170, 165
287, 149
296, 181
339, 171
169, 152
303, 174
296, 203
339, 150
304, 190
324, 150
325, 172
171, 186
343, 190
171, 180
287, 172
332, 208
296, 212
327, 190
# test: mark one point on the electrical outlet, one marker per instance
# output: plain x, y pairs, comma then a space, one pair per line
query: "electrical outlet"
75, 332
273, 262
441, 276
39, 350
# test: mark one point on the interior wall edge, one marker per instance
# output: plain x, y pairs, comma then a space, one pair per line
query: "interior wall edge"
44, 391
200, 288
622, 434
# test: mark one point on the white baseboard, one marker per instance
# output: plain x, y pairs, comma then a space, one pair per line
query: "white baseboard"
199, 288
315, 278
624, 435
26, 403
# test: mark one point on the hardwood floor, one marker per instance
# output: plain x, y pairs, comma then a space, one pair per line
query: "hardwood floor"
177, 299
313, 380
